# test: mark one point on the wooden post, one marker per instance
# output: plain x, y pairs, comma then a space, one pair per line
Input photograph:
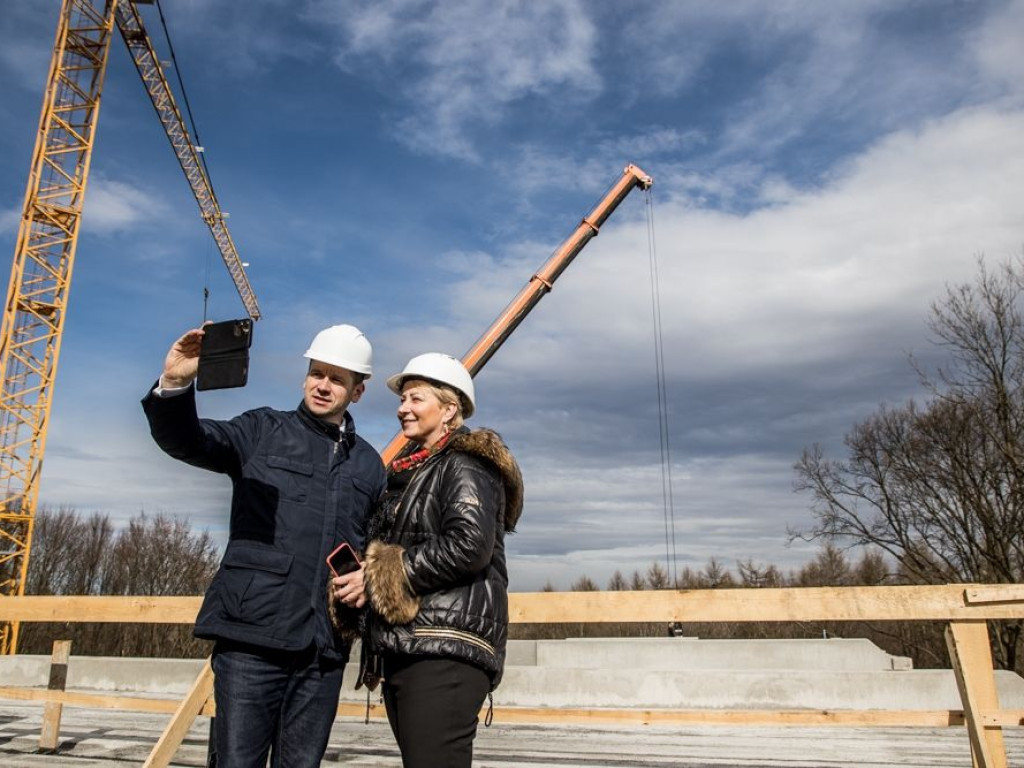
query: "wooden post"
971, 655
50, 732
191, 706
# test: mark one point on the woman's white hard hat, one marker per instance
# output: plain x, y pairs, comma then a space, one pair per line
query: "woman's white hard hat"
344, 346
440, 368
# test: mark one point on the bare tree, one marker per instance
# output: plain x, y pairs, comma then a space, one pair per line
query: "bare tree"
617, 583
73, 555
754, 575
657, 577
829, 568
584, 584
939, 486
716, 576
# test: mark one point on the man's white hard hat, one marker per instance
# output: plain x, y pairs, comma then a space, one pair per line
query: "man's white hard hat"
441, 368
344, 346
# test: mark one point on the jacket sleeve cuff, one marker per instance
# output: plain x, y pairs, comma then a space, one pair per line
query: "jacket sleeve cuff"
344, 620
390, 593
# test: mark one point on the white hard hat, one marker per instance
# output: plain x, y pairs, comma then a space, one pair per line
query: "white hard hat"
344, 346
444, 369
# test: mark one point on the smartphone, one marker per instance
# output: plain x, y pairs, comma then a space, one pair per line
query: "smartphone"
343, 560
226, 336
224, 354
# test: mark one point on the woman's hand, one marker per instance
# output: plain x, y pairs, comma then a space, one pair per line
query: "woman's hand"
349, 589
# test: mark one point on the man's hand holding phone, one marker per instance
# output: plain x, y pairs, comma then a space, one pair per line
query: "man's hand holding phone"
347, 581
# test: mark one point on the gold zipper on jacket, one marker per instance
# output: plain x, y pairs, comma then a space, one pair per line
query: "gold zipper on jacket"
455, 634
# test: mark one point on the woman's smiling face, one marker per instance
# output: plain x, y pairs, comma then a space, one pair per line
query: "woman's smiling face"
422, 415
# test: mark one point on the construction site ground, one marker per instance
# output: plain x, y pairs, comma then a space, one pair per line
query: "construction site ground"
96, 738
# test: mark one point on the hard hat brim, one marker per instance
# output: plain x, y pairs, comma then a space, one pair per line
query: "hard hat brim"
396, 381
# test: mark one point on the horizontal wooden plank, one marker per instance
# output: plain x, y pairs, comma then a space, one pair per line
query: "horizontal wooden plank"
939, 718
735, 717
995, 593
97, 701
998, 718
924, 603
136, 609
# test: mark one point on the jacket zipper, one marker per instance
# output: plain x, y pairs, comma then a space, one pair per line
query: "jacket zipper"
454, 634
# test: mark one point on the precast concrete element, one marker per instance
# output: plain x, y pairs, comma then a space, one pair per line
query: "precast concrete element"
742, 689
639, 672
837, 654
101, 673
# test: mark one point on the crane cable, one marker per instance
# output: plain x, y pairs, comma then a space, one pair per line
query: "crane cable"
198, 142
663, 427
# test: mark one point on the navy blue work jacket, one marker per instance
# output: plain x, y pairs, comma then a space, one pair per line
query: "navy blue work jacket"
300, 487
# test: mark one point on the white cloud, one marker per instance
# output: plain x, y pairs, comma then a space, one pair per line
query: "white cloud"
111, 206
10, 220
997, 48
25, 56
463, 63
814, 270
115, 206
777, 71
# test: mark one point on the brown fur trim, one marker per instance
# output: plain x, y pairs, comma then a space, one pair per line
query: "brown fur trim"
488, 445
390, 593
344, 620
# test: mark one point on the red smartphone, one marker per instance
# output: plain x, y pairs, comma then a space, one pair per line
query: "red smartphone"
343, 560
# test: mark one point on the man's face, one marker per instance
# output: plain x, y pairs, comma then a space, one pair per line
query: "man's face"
329, 390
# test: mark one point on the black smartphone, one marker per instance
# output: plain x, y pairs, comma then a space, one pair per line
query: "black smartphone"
224, 354
343, 560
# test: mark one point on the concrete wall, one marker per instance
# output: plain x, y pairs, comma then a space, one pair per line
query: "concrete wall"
641, 672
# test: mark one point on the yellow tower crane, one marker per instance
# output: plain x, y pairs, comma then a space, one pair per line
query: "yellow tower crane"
37, 297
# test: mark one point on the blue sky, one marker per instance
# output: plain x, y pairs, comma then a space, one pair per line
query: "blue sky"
822, 171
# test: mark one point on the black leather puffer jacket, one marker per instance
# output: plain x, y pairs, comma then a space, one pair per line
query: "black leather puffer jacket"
438, 584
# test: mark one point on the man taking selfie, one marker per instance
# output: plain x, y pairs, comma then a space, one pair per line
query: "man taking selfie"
302, 482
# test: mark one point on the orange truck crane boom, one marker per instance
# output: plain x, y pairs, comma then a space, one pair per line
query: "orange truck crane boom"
540, 284
33, 319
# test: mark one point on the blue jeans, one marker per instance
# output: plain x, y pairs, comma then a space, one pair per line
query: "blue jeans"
276, 702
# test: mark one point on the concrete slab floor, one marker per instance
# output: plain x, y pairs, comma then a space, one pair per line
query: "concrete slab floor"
105, 738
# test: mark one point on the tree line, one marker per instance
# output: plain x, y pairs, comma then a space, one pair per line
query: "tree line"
922, 641
86, 555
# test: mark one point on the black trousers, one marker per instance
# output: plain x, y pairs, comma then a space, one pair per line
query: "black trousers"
433, 707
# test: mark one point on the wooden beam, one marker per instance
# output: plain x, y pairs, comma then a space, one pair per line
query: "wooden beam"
733, 717
994, 593
193, 703
971, 655
49, 732
915, 603
132, 610
98, 700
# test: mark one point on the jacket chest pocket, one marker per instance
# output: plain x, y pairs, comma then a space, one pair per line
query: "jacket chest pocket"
291, 477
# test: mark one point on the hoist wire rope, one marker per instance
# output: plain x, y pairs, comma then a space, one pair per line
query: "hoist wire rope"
663, 421
198, 142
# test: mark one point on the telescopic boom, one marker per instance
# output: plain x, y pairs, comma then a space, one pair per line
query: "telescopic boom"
540, 284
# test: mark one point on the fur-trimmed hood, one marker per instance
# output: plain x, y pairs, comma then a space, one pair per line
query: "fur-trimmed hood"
488, 445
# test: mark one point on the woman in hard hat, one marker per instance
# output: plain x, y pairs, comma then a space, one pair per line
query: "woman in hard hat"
435, 570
